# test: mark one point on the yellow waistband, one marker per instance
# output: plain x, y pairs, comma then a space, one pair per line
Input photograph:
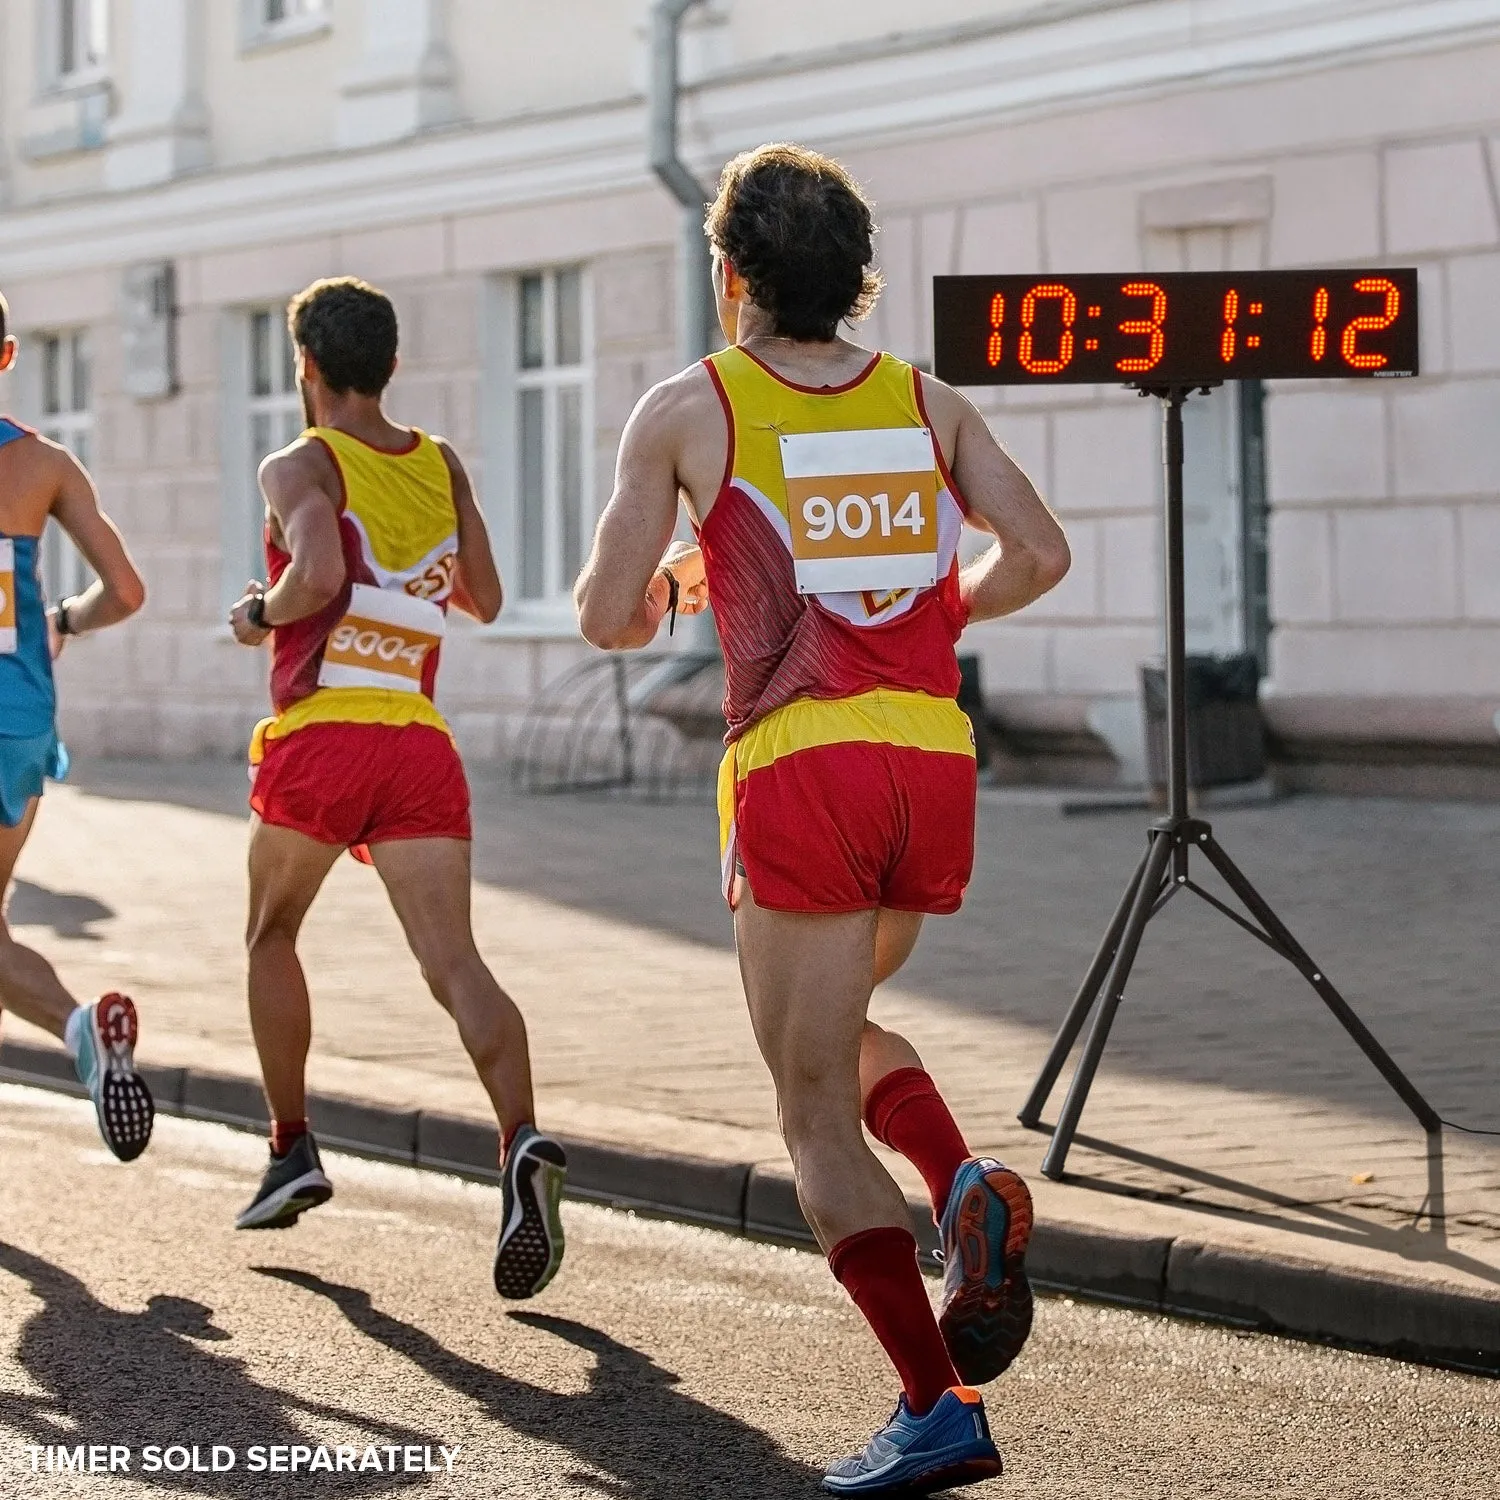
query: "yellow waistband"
348, 705
883, 716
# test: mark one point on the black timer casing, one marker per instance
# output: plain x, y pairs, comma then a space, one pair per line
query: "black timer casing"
1175, 328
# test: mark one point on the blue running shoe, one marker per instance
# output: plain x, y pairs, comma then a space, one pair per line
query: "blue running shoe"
105, 1064
986, 1227
910, 1455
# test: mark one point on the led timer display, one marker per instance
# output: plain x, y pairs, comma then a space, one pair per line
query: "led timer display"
1175, 328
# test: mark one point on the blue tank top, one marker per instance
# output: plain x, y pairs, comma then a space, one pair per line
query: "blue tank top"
28, 700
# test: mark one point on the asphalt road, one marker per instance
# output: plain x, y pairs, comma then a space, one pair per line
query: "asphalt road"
665, 1362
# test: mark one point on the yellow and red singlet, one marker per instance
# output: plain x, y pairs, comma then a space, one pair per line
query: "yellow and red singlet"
832, 559
371, 656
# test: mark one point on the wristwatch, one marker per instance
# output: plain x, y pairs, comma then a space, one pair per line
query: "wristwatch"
255, 612
60, 620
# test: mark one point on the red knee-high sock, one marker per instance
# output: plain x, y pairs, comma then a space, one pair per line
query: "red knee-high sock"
906, 1113
878, 1268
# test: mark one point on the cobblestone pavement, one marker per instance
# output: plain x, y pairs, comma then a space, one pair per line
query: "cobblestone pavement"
1230, 1107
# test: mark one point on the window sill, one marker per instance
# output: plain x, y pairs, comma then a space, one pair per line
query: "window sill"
533, 622
74, 86
285, 34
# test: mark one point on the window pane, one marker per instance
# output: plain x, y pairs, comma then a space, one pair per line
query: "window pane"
67, 39
80, 382
51, 376
98, 35
260, 354
533, 495
275, 10
533, 330
570, 317
570, 478
288, 356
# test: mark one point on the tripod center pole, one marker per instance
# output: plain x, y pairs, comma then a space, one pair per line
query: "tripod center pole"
1176, 630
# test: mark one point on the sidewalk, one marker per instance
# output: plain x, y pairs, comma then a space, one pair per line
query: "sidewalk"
1233, 1124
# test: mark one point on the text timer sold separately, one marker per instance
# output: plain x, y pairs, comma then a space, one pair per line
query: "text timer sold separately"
1178, 328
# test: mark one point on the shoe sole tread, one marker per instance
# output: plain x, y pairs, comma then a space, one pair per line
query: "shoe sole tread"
986, 1325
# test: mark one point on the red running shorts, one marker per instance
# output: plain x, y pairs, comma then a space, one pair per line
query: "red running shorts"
849, 804
361, 784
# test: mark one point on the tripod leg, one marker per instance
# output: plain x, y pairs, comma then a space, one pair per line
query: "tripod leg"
1088, 992
1162, 844
1256, 905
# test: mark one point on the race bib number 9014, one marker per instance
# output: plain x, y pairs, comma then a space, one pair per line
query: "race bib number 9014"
862, 508
382, 641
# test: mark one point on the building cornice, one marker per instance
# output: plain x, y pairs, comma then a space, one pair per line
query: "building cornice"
1050, 59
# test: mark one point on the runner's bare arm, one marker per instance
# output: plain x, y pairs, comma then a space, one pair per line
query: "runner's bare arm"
117, 592
298, 484
1031, 553
476, 583
621, 595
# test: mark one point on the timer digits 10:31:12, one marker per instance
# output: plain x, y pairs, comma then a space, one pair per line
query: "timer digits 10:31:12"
1184, 327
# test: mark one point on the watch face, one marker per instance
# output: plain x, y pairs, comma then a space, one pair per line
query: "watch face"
1175, 328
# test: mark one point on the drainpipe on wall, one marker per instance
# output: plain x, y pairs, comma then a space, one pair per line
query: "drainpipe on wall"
697, 317
697, 321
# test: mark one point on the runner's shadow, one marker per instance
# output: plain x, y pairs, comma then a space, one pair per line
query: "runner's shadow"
138, 1378
632, 1424
68, 913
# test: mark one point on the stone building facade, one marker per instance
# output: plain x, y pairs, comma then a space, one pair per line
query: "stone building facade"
486, 163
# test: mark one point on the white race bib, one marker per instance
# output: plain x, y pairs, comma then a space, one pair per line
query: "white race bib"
7, 597
383, 641
863, 509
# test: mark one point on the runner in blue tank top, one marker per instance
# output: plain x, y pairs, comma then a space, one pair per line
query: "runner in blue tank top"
40, 481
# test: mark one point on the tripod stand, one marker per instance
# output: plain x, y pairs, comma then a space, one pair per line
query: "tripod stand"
1163, 871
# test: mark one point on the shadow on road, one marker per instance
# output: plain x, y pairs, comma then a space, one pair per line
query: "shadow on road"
70, 914
631, 1424
138, 1378
1297, 1215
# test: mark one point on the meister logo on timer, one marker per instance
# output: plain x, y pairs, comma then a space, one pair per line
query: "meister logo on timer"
1176, 327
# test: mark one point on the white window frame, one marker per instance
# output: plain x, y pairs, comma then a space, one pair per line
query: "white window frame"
255, 423
65, 413
299, 21
89, 43
551, 614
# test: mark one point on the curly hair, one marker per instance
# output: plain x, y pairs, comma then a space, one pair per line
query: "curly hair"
349, 328
796, 226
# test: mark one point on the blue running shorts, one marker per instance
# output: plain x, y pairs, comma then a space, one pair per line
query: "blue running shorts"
25, 763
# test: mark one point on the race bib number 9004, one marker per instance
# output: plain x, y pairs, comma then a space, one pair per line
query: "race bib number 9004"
862, 508
382, 641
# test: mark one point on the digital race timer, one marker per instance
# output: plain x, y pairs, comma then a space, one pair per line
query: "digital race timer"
1181, 327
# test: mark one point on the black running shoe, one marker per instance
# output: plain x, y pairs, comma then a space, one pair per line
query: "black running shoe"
106, 1067
531, 1232
293, 1184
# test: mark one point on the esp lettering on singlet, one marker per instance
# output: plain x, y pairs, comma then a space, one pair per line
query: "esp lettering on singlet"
7, 597
382, 641
862, 507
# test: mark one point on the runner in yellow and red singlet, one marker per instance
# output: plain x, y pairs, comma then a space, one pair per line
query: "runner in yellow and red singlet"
372, 532
829, 486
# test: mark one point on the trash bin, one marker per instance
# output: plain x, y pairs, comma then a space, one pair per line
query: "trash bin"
1226, 739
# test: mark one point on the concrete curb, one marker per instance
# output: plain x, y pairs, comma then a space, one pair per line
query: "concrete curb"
1273, 1294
